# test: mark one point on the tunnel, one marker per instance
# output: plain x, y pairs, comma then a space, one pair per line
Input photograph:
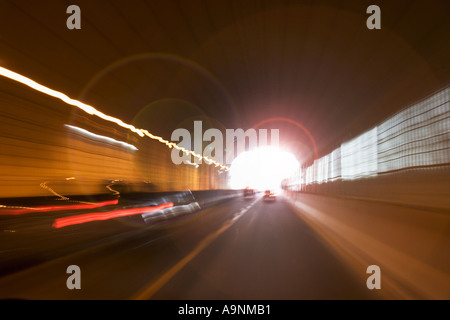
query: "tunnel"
224, 150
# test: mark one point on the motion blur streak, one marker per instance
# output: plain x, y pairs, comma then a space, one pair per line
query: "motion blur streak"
99, 137
57, 208
44, 185
86, 108
101, 216
186, 151
115, 192
415, 137
92, 111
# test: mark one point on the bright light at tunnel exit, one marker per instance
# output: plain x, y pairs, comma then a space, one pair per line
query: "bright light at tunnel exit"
262, 169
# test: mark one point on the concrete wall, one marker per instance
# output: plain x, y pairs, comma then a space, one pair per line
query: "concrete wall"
429, 187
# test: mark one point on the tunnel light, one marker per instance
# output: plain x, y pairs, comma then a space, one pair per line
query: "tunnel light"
101, 138
264, 168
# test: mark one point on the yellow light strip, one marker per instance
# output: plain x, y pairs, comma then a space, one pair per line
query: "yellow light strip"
92, 111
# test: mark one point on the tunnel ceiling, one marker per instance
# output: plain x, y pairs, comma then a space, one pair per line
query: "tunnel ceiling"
164, 63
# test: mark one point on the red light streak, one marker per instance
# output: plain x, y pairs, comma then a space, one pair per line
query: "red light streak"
100, 216
15, 212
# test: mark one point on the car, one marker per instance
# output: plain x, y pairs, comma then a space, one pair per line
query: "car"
269, 196
249, 193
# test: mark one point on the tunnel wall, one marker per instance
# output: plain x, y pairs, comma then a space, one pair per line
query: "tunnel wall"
41, 156
404, 159
422, 187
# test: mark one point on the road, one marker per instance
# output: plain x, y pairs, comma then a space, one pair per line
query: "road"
236, 249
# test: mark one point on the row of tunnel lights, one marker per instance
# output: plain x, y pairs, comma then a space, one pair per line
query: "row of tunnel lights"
92, 111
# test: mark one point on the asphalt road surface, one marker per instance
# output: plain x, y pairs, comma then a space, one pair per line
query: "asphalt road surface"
236, 249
